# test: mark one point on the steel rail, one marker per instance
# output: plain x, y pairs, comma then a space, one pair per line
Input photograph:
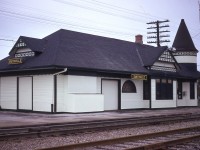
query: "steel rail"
157, 145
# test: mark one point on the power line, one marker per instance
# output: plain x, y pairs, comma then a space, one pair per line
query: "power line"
9, 40
125, 10
54, 21
94, 2
5, 45
98, 10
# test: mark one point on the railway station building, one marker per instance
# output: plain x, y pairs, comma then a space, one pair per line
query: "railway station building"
69, 71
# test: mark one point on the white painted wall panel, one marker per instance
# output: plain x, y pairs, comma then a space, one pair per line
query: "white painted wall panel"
186, 59
186, 101
153, 89
21, 50
25, 93
164, 104
8, 95
164, 64
60, 93
82, 84
110, 92
186, 97
43, 92
84, 102
175, 91
133, 100
98, 85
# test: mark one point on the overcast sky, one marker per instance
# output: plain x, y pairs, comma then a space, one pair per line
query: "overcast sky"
120, 19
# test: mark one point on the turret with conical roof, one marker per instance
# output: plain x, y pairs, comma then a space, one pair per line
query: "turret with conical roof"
186, 52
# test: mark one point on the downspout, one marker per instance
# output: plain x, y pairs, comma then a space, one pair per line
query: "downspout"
54, 100
60, 72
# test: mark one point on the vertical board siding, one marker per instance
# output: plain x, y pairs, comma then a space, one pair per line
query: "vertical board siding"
8, 92
60, 94
25, 93
110, 92
43, 92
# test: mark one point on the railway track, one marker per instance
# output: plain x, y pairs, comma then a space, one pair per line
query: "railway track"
92, 126
152, 141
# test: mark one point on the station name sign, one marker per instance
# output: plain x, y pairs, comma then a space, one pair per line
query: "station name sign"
15, 61
138, 76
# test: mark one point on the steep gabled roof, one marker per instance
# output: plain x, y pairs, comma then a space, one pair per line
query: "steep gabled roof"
183, 40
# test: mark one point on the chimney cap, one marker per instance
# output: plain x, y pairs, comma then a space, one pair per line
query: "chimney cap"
139, 38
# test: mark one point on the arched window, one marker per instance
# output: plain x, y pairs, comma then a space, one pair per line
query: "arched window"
128, 87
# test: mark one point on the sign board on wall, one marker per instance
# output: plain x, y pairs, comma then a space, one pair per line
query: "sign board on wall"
138, 76
15, 61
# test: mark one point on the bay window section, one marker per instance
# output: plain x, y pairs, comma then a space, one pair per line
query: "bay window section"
164, 89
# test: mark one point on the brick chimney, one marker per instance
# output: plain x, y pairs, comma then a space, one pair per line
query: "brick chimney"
138, 39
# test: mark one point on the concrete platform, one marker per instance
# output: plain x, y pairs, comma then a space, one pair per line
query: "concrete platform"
14, 119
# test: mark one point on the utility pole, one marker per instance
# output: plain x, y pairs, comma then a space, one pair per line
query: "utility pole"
158, 33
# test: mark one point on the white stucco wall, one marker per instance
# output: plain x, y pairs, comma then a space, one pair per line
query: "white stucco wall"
8, 92
84, 102
82, 84
162, 103
134, 100
82, 94
43, 92
186, 59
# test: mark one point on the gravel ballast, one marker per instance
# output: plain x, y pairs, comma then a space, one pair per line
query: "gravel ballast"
44, 142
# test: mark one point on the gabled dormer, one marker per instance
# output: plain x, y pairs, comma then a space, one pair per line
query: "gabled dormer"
22, 50
25, 48
185, 49
158, 59
166, 62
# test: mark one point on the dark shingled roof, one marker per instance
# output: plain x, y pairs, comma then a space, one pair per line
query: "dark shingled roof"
183, 40
153, 52
66, 48
76, 50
